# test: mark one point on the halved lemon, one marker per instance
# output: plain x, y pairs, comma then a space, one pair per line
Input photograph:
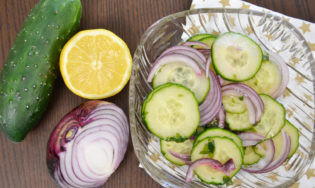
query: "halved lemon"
95, 64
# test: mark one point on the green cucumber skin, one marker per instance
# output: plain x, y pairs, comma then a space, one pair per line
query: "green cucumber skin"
28, 76
297, 140
200, 36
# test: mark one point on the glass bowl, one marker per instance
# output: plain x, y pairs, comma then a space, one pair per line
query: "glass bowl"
271, 33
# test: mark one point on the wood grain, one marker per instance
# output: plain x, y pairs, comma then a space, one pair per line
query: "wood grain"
24, 164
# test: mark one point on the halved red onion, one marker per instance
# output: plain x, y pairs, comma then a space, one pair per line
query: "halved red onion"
188, 51
180, 156
197, 43
215, 164
239, 89
212, 103
263, 162
171, 58
284, 153
284, 70
88, 145
250, 138
221, 117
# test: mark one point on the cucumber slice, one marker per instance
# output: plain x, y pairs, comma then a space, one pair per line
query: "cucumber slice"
171, 112
184, 75
250, 156
178, 147
236, 57
261, 149
224, 149
208, 40
233, 104
222, 133
200, 36
294, 136
238, 122
272, 119
267, 80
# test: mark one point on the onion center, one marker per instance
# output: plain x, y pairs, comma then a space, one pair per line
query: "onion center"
97, 158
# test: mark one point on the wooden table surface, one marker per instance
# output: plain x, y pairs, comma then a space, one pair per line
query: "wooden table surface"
23, 165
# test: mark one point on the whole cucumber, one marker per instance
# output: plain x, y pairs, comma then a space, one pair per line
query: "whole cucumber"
28, 75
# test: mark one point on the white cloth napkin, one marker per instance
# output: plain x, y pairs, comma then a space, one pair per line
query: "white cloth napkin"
306, 28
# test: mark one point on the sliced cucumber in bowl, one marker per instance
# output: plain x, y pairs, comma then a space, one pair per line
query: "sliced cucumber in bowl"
200, 36
272, 119
184, 75
267, 80
220, 132
224, 149
250, 157
293, 132
233, 104
238, 121
168, 148
236, 57
214, 154
171, 112
208, 40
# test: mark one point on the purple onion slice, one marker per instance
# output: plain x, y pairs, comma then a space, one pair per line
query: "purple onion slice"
283, 68
265, 161
215, 164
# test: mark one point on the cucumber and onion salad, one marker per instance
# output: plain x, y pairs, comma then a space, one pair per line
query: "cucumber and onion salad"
223, 86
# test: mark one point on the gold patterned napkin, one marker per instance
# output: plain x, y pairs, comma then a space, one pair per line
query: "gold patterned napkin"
306, 28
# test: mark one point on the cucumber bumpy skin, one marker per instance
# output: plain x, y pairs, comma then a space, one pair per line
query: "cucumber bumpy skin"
28, 76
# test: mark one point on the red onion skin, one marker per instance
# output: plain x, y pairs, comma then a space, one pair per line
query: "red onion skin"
208, 66
183, 157
212, 104
250, 138
57, 141
205, 52
268, 158
282, 156
249, 93
221, 118
175, 49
